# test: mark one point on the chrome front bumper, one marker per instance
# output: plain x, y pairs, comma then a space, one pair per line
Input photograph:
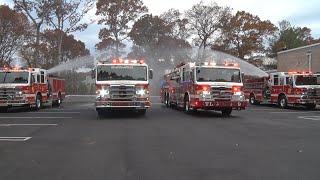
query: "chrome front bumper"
13, 103
122, 104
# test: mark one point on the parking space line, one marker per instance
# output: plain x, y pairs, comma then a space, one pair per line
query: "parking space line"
8, 125
258, 109
313, 118
14, 138
37, 117
54, 112
293, 112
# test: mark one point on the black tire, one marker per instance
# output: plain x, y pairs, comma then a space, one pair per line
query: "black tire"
142, 112
252, 100
311, 106
59, 101
38, 102
3, 110
186, 106
166, 101
226, 112
100, 112
283, 102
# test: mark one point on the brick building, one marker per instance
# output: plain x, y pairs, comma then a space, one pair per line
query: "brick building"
300, 59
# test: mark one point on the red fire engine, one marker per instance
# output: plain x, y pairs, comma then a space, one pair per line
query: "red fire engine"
284, 88
206, 86
29, 88
122, 84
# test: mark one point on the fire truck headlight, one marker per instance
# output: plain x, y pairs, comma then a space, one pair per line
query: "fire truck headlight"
238, 93
19, 93
141, 92
205, 94
104, 92
239, 97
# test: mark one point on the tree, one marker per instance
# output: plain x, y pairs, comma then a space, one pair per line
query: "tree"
244, 34
13, 30
148, 30
37, 11
156, 37
177, 22
49, 42
66, 16
205, 20
289, 37
117, 16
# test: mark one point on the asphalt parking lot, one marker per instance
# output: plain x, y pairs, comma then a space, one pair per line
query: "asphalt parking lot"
71, 142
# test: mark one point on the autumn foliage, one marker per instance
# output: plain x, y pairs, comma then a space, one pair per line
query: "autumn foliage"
13, 31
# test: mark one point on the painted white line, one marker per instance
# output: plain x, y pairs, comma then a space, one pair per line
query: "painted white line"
8, 125
91, 96
252, 109
292, 112
313, 118
54, 112
35, 117
14, 138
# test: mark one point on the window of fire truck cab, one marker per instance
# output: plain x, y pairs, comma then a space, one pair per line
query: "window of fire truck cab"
275, 80
122, 72
32, 79
42, 77
14, 77
289, 81
208, 74
187, 75
301, 80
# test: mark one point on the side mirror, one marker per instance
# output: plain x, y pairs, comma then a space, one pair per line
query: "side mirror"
242, 76
93, 74
150, 73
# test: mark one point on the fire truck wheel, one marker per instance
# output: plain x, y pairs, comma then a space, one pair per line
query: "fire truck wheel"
38, 102
282, 102
59, 99
252, 100
187, 105
3, 110
167, 103
226, 112
142, 112
100, 112
311, 106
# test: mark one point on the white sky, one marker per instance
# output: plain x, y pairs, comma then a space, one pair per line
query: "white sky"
298, 12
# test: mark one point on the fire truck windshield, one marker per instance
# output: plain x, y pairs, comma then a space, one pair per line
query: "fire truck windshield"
205, 74
307, 80
14, 77
121, 72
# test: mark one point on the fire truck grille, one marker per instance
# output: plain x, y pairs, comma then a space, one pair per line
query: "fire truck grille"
7, 94
221, 93
122, 93
314, 92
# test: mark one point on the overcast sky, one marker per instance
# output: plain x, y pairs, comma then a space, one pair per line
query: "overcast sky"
298, 12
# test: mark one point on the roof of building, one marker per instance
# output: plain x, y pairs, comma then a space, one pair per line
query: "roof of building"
302, 47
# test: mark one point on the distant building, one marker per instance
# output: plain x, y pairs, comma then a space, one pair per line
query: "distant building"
300, 59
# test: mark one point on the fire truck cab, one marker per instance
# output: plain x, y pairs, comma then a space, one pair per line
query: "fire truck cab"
30, 88
285, 88
122, 84
205, 86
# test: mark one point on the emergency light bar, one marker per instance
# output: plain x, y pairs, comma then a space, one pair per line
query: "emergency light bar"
303, 72
209, 63
16, 68
121, 61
